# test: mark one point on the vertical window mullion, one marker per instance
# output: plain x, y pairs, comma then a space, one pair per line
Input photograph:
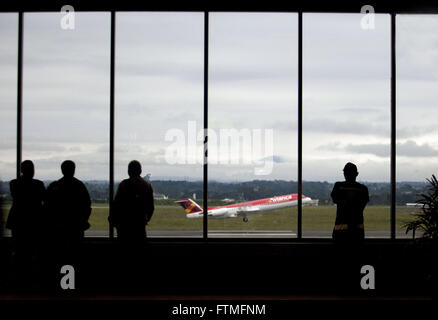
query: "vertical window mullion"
300, 124
19, 92
393, 124
111, 136
205, 164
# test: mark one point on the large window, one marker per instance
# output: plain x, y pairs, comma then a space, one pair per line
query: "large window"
66, 102
252, 113
252, 121
8, 107
159, 111
346, 116
417, 102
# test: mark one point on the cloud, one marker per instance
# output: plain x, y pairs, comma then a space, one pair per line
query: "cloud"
274, 159
413, 131
45, 147
362, 110
380, 150
418, 43
406, 149
351, 126
227, 73
412, 149
7, 144
253, 70
290, 125
335, 47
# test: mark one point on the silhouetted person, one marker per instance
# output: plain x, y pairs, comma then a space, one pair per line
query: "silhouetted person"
351, 198
68, 205
133, 205
68, 208
27, 203
25, 218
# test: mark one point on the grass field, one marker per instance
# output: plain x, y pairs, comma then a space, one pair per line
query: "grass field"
168, 217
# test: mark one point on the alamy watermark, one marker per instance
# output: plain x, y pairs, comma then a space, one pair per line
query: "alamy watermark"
226, 146
68, 280
367, 22
368, 281
67, 21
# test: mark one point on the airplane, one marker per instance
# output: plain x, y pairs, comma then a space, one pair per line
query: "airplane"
243, 209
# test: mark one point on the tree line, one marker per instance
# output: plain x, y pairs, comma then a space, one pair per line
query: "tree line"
251, 190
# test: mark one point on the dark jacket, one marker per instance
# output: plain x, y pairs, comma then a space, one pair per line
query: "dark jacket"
27, 206
68, 205
351, 199
133, 204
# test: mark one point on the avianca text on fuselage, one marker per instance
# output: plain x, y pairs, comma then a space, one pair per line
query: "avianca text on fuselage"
243, 209
281, 198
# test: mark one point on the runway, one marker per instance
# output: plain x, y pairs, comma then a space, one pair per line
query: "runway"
241, 234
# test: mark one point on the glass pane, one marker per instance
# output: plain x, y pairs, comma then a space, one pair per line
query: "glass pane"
8, 108
253, 124
417, 133
66, 102
159, 111
346, 116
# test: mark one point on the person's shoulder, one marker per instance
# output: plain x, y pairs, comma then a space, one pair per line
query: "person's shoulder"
51, 187
362, 186
147, 184
13, 182
53, 184
143, 183
80, 185
123, 185
78, 182
38, 183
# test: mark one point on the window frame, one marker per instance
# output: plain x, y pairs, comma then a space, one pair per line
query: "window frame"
393, 13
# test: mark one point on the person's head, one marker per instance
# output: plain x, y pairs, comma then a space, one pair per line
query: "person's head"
27, 169
134, 168
350, 172
68, 168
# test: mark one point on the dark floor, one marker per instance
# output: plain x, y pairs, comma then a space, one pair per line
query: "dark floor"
252, 269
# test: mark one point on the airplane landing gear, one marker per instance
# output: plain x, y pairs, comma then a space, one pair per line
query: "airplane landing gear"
245, 219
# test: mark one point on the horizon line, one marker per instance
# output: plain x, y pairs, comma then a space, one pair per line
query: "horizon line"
235, 181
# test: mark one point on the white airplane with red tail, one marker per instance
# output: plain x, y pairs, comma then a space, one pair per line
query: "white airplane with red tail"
243, 209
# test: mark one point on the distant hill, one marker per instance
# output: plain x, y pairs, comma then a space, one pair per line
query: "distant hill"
251, 190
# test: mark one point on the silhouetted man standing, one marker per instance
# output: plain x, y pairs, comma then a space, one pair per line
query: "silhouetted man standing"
68, 205
25, 220
133, 205
68, 208
26, 212
351, 198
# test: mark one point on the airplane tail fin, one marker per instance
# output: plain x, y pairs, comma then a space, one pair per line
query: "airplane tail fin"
189, 205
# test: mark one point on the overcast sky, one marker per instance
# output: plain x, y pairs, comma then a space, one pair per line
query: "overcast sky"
252, 86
